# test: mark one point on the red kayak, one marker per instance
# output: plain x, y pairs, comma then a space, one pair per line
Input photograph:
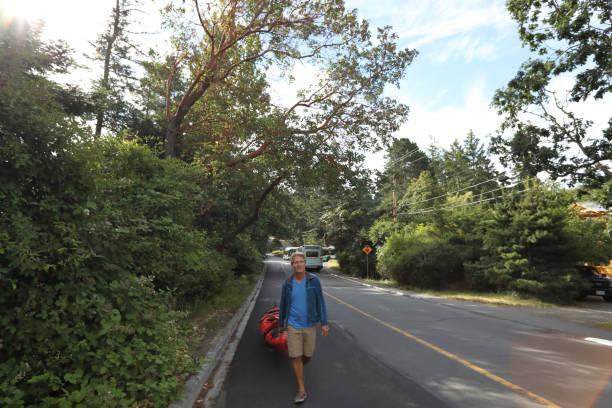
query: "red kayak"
269, 330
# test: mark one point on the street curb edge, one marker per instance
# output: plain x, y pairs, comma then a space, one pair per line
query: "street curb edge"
196, 382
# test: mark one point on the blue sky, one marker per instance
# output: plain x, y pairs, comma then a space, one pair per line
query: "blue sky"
467, 50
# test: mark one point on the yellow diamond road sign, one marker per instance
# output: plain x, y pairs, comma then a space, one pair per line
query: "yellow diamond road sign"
367, 249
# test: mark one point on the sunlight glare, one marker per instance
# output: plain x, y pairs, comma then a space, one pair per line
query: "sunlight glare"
31, 10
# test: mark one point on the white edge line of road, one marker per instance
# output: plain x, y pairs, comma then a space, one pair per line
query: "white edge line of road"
219, 356
599, 341
403, 293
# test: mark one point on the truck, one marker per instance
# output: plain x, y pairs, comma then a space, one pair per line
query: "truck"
314, 257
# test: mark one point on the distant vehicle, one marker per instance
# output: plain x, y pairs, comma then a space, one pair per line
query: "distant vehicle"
329, 252
288, 251
600, 284
314, 256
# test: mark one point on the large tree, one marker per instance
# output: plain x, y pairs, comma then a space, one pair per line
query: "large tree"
225, 119
341, 109
572, 38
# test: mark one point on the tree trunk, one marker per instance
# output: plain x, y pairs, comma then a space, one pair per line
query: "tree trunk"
172, 132
174, 122
107, 57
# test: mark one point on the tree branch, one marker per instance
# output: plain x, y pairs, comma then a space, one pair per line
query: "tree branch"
254, 217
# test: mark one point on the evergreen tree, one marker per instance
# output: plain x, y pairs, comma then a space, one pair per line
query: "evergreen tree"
405, 162
115, 49
531, 246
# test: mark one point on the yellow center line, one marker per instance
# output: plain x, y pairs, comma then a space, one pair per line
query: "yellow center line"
450, 355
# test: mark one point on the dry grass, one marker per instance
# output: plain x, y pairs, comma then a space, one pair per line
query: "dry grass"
501, 299
333, 264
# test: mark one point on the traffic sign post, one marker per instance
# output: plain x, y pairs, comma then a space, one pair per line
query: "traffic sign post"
367, 249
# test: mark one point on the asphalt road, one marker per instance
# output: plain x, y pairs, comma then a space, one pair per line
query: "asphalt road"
394, 349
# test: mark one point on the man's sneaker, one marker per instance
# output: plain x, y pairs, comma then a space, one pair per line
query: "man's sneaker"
300, 397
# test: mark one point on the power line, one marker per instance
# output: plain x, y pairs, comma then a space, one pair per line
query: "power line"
496, 189
432, 209
452, 192
403, 157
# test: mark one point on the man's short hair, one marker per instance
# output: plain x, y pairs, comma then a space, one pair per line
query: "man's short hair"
298, 253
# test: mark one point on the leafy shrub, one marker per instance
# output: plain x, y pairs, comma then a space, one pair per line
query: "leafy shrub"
147, 207
417, 257
248, 258
564, 288
95, 343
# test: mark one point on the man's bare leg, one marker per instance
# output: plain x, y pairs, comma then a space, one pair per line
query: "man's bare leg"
298, 370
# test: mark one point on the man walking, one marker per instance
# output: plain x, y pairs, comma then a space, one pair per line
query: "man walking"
301, 307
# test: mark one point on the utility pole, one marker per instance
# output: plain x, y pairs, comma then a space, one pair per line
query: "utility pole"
394, 202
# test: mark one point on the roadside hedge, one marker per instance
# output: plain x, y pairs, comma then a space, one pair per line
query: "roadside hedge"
96, 251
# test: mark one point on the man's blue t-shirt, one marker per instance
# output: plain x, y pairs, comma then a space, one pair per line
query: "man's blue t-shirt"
298, 315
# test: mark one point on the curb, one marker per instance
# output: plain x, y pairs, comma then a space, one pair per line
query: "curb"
219, 357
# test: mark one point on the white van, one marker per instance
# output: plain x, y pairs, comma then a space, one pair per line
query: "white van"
288, 251
314, 256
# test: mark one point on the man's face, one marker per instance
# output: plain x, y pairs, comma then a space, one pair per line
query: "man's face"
299, 264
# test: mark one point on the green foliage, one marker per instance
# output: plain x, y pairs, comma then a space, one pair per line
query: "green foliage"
534, 242
92, 236
419, 257
144, 213
528, 242
346, 226
84, 265
572, 39
91, 341
246, 255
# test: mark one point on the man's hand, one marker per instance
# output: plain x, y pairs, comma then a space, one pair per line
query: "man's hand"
324, 330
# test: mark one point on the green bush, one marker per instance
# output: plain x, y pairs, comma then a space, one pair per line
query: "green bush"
144, 218
534, 242
564, 288
92, 343
78, 326
248, 258
418, 257
98, 242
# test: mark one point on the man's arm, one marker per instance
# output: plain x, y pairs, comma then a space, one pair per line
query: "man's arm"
281, 315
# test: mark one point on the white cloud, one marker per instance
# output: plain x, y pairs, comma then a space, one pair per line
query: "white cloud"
466, 47
448, 123
442, 126
419, 23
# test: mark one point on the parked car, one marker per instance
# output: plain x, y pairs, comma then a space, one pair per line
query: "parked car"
600, 284
314, 257
288, 251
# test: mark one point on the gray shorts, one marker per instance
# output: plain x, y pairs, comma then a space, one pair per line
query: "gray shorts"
301, 342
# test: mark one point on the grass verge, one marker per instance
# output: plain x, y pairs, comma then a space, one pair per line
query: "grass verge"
333, 264
604, 326
210, 317
501, 299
